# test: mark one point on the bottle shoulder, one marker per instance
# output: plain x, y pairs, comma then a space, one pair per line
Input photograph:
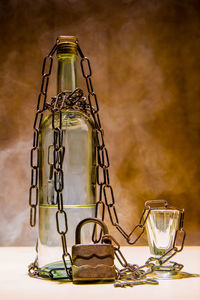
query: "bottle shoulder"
70, 117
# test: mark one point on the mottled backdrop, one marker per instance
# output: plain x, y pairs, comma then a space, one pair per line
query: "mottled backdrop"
146, 66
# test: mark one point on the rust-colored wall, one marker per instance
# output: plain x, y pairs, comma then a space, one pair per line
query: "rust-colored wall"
146, 66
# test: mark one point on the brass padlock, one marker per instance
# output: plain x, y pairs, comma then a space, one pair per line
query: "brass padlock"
94, 261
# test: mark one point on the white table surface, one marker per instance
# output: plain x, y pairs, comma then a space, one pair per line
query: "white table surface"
16, 284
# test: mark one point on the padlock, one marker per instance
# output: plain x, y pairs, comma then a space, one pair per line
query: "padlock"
94, 261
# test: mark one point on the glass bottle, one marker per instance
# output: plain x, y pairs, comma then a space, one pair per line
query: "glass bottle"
79, 168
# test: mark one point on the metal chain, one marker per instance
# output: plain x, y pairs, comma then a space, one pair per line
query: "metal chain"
58, 156
103, 178
34, 158
106, 194
131, 275
61, 101
102, 174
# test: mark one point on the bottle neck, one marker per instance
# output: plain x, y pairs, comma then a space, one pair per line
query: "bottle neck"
66, 72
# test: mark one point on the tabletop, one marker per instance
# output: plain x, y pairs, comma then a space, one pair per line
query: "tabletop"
16, 284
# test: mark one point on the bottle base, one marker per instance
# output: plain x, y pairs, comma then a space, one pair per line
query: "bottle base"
55, 270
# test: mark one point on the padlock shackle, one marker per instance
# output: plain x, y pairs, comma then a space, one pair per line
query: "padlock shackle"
86, 221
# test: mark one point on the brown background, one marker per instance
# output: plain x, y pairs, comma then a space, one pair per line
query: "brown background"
145, 59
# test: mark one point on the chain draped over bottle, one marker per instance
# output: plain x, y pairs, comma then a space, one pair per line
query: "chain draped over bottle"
106, 194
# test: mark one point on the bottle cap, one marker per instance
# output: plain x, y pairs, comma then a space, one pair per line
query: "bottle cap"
67, 44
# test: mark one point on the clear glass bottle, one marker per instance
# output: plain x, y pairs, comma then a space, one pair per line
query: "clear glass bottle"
79, 168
